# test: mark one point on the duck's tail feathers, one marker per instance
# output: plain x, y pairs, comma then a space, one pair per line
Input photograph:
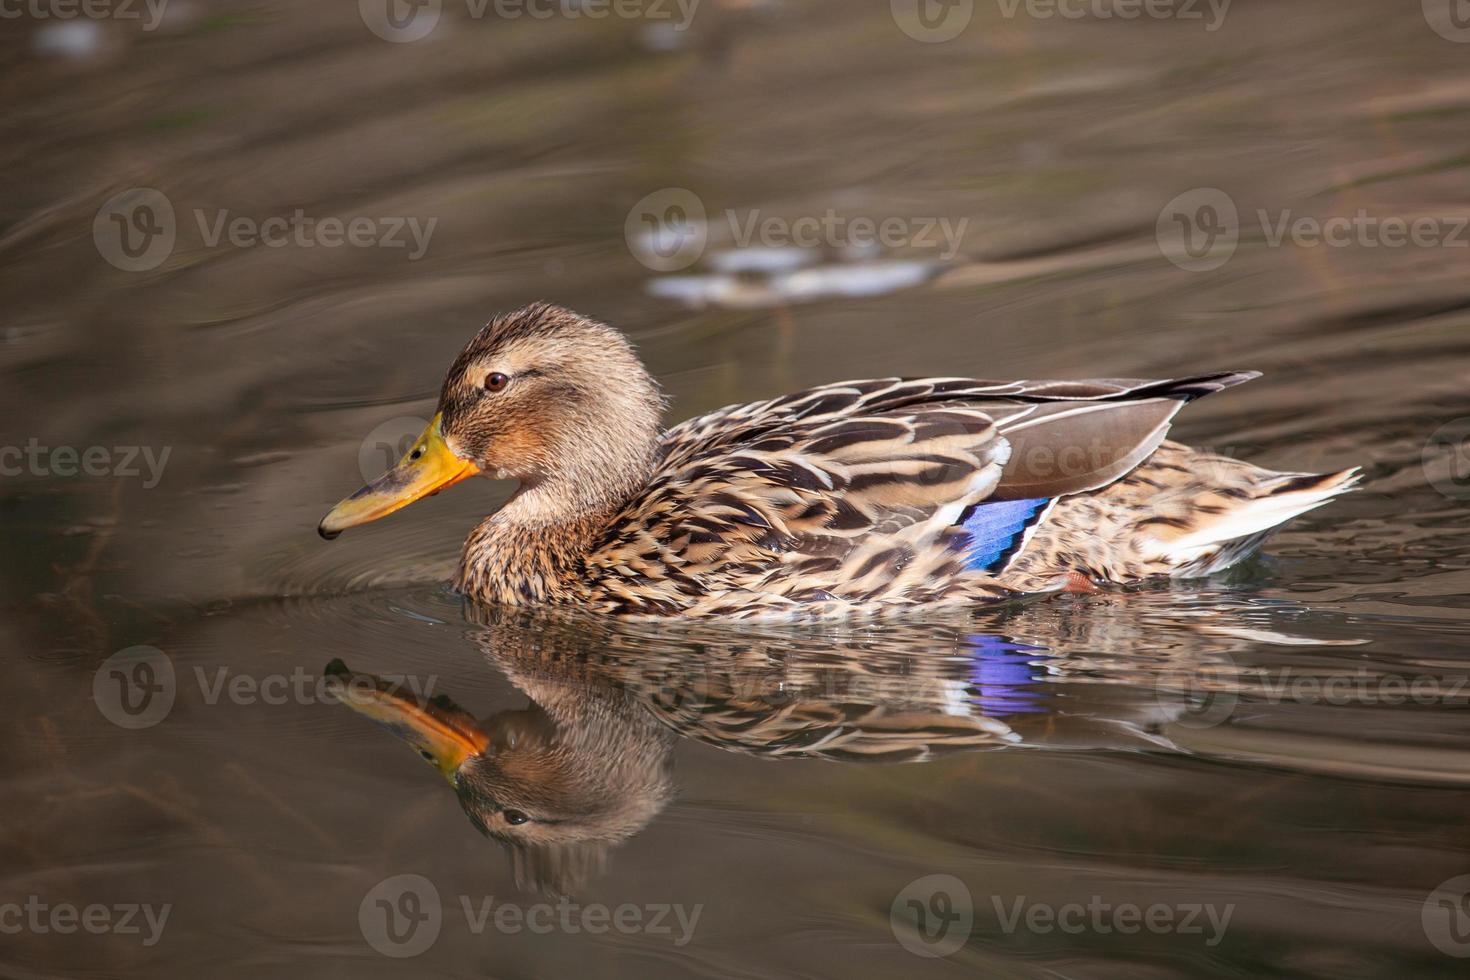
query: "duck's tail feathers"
1237, 531
1196, 386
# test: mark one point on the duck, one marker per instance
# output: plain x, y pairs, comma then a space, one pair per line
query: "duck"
855, 498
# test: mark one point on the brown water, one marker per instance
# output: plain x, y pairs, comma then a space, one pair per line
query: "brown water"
1286, 749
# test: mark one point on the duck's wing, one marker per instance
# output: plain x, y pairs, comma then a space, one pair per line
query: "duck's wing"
1067, 436
854, 492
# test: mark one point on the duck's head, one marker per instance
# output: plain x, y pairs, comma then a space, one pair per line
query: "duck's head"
543, 396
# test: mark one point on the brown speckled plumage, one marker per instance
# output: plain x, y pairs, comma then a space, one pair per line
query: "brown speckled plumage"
844, 499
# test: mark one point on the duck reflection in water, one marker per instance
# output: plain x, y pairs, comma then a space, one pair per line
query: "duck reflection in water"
588, 762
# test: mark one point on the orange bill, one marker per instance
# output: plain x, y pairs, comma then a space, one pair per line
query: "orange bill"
444, 734
426, 468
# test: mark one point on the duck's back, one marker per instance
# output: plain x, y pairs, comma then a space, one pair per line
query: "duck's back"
878, 495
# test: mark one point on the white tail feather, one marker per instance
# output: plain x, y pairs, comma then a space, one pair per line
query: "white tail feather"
1235, 534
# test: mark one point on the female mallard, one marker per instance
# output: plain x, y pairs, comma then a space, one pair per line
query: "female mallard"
858, 497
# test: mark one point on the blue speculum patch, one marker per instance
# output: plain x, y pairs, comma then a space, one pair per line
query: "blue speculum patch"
996, 529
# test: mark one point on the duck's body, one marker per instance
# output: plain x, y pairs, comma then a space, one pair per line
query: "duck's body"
862, 497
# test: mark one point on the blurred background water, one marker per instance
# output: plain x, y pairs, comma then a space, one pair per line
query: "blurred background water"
242, 240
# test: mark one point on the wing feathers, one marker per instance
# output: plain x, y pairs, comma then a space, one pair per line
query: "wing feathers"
1066, 448
852, 493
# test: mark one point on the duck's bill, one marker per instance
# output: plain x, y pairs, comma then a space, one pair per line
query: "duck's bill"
444, 734
426, 468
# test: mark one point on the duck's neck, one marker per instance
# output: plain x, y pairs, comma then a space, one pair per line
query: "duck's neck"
532, 550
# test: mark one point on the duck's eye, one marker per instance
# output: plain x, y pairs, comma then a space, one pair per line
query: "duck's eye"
515, 817
495, 381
